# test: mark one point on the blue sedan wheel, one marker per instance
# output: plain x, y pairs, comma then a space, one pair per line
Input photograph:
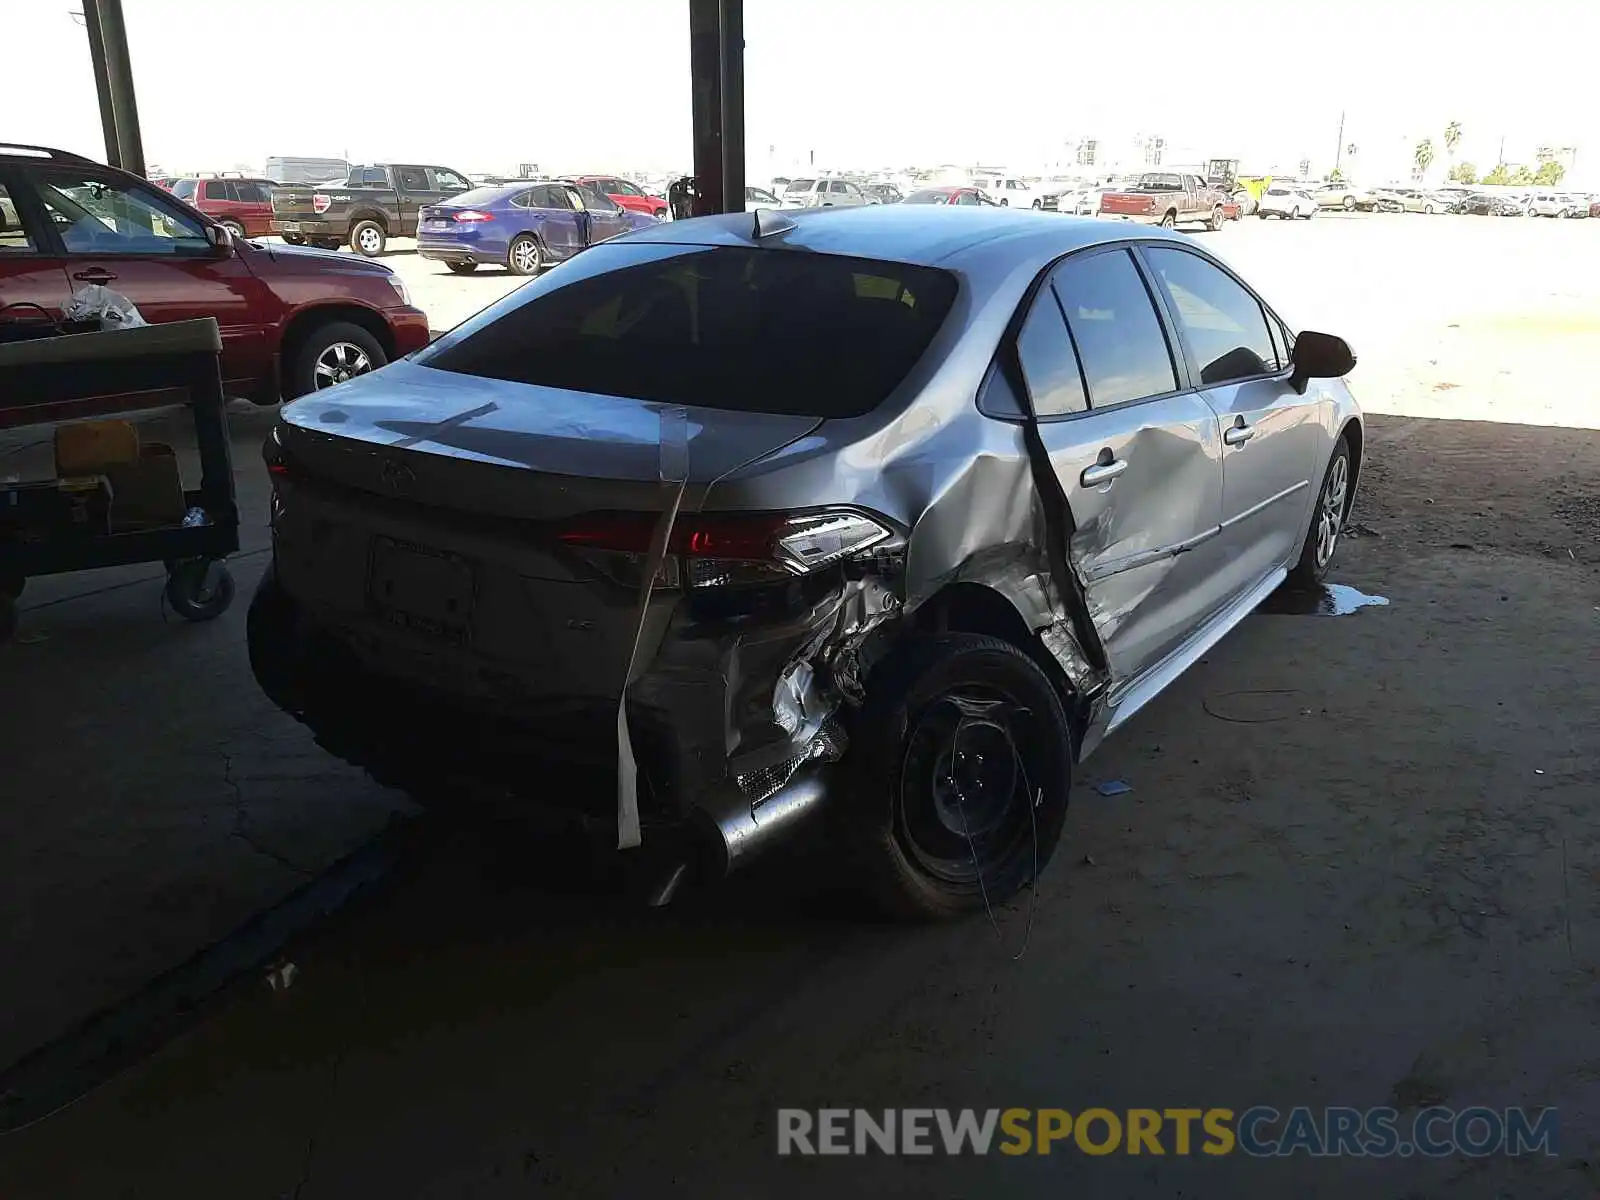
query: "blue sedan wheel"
526, 256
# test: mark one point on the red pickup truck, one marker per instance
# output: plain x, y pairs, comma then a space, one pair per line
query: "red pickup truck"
1168, 198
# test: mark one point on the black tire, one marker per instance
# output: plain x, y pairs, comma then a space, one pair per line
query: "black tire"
462, 268
908, 828
1170, 221
327, 243
199, 589
294, 239
1215, 222
368, 238
1349, 204
1037, 206
303, 376
525, 256
1262, 215
1005, 202
234, 228
1312, 567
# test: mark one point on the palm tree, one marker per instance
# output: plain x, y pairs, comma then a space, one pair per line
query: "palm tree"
1424, 156
1452, 138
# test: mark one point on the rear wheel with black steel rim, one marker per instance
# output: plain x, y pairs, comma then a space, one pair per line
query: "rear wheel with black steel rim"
525, 256
1327, 520
961, 765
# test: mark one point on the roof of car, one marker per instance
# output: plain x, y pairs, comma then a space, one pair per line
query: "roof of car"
935, 235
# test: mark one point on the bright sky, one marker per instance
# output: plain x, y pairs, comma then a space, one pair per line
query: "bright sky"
482, 85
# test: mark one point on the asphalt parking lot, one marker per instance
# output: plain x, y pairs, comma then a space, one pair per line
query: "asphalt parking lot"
1359, 862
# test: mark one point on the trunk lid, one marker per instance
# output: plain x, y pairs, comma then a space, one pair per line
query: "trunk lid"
416, 521
514, 450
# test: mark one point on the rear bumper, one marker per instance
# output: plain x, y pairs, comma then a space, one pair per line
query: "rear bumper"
311, 227
454, 252
558, 756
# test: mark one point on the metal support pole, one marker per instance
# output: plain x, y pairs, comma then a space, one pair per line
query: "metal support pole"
102, 81
731, 48
119, 71
705, 75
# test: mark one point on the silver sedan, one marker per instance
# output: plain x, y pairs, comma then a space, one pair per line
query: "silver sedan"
890, 513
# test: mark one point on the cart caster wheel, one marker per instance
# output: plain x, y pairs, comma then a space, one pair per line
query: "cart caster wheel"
199, 589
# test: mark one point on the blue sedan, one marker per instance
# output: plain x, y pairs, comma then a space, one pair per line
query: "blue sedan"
525, 226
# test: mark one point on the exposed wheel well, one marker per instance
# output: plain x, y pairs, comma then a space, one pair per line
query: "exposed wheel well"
303, 323
973, 608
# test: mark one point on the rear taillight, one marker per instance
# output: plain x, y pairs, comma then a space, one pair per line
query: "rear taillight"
723, 549
471, 216
321, 202
272, 453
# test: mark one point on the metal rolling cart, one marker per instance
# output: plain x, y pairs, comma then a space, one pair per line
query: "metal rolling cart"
52, 380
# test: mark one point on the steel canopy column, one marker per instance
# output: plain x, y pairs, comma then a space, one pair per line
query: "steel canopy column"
705, 76
102, 81
731, 47
119, 73
716, 71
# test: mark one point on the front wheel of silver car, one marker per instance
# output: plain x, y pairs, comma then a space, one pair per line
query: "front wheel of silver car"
960, 767
1327, 520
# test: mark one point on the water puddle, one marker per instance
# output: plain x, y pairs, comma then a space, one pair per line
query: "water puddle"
1327, 600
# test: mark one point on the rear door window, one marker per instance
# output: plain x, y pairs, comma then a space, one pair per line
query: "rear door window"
1049, 366
216, 189
1114, 325
414, 179
14, 237
734, 328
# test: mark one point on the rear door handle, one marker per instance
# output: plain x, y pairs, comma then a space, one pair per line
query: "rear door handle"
1238, 435
1103, 472
93, 275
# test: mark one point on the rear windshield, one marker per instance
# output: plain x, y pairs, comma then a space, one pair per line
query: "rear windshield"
734, 328
928, 196
800, 185
484, 196
184, 189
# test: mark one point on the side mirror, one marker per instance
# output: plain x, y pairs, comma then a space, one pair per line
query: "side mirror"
221, 240
1319, 356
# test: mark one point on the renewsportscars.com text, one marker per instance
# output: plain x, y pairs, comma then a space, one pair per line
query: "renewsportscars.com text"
1260, 1132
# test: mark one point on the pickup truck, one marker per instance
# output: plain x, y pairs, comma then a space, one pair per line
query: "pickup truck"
1170, 199
372, 205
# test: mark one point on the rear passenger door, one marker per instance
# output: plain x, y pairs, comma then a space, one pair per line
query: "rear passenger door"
1135, 449
1274, 439
559, 225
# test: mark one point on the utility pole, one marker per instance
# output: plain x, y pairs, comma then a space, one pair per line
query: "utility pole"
113, 76
1338, 151
1501, 158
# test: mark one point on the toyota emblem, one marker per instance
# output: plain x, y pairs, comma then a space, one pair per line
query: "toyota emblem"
398, 477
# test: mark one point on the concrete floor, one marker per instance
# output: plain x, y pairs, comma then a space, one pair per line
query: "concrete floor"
1360, 863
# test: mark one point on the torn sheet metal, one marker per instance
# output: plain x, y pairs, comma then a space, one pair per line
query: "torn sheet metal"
674, 475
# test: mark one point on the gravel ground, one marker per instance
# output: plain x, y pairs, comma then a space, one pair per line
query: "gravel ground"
1359, 864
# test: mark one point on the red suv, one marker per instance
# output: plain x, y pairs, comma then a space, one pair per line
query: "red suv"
242, 206
293, 320
628, 195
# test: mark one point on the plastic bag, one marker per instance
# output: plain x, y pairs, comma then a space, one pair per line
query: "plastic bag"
99, 303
